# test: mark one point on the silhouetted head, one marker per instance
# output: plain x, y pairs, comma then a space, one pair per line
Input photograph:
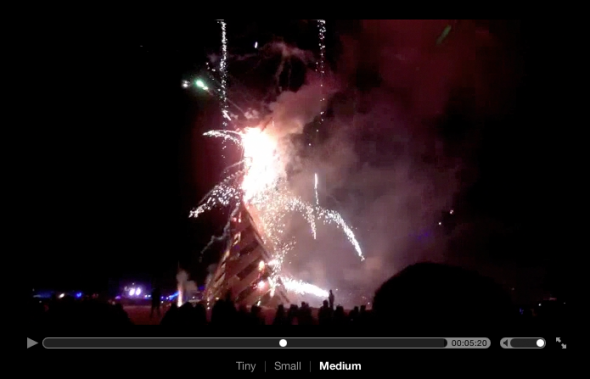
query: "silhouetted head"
428, 294
325, 303
330, 292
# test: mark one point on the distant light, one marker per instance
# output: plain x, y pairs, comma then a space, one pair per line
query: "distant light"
132, 292
205, 88
256, 45
199, 83
452, 211
79, 295
62, 295
440, 223
258, 303
185, 84
539, 304
261, 284
138, 291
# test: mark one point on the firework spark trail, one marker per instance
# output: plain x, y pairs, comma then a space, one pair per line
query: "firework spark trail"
302, 288
322, 62
239, 164
223, 237
315, 188
223, 73
226, 135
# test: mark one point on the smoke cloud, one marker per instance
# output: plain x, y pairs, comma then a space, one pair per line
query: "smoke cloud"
384, 165
185, 286
293, 110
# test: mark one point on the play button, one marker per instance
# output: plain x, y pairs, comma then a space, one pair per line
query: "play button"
505, 343
30, 343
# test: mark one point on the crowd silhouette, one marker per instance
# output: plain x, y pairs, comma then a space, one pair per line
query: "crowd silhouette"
424, 295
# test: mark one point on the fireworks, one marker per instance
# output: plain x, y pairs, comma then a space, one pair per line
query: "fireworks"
259, 183
261, 186
223, 71
322, 61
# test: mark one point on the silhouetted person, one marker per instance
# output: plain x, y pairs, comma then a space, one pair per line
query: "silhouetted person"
331, 300
280, 316
325, 314
304, 316
120, 317
243, 316
292, 315
171, 317
428, 295
363, 315
339, 316
186, 316
200, 314
224, 313
354, 315
156, 302
256, 316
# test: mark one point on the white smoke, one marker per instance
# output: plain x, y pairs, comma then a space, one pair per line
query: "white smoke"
186, 287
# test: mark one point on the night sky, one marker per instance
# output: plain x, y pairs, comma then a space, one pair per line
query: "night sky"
121, 163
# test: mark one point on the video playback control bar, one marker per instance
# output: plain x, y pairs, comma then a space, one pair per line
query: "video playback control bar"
264, 343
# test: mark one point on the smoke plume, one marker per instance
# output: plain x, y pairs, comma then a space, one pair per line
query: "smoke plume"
186, 287
384, 163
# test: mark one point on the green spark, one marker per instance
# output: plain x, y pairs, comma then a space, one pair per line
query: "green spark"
444, 35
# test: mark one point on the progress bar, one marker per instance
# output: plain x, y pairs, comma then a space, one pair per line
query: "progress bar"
263, 343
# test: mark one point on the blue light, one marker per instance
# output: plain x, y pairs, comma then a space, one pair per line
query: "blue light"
79, 295
173, 296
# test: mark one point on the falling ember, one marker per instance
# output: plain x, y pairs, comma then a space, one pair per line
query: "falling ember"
261, 266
